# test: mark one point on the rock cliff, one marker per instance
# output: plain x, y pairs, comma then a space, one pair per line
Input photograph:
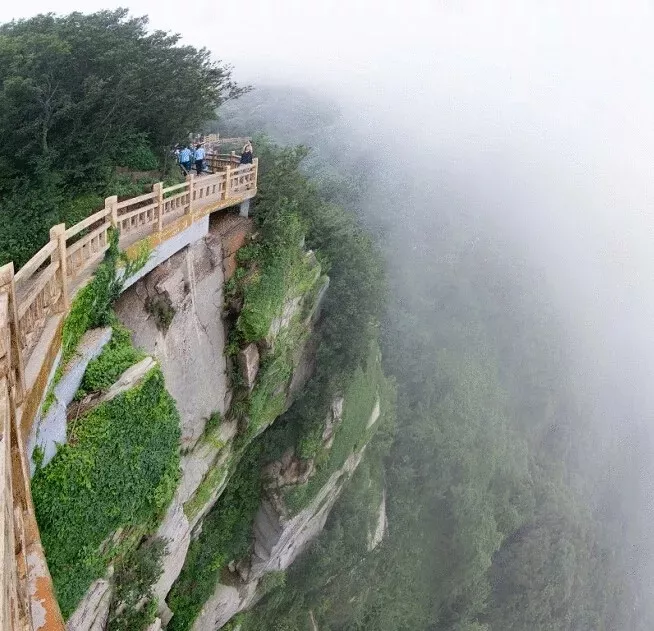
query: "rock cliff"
228, 389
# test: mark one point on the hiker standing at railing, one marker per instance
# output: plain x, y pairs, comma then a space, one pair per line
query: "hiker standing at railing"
246, 155
199, 159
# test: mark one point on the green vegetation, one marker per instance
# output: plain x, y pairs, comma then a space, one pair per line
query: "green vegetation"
268, 399
81, 95
205, 490
280, 272
161, 309
366, 390
213, 423
116, 357
225, 537
118, 470
133, 607
92, 306
345, 250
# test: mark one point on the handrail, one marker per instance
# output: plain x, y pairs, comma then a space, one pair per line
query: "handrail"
35, 262
89, 221
29, 299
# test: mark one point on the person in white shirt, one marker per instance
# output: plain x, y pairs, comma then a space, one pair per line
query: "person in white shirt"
199, 159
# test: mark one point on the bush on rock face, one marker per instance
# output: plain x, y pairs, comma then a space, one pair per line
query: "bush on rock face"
118, 471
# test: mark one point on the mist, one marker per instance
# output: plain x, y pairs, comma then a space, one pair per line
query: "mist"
531, 125
508, 135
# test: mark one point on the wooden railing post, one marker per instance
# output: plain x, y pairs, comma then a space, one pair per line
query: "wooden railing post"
58, 234
17, 372
228, 180
157, 189
111, 204
255, 173
190, 178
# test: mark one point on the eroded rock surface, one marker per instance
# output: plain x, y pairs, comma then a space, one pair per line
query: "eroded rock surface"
376, 536
277, 543
92, 613
188, 339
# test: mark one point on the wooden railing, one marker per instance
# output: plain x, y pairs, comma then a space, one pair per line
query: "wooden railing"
24, 577
41, 289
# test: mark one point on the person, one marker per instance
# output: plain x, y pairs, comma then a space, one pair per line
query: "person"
246, 155
199, 158
185, 159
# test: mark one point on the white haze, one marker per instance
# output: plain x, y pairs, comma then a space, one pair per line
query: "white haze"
537, 114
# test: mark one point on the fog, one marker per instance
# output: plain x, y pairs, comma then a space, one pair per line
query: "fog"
534, 118
537, 121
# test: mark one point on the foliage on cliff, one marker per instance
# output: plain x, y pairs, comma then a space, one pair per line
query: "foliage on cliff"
118, 470
116, 357
80, 95
91, 307
133, 606
369, 393
288, 207
354, 301
276, 273
225, 537
490, 514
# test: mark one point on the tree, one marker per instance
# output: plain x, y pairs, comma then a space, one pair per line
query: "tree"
81, 94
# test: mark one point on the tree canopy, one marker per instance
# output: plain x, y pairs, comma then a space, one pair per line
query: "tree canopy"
82, 94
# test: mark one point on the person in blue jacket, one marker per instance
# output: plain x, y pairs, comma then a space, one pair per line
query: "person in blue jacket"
199, 159
185, 159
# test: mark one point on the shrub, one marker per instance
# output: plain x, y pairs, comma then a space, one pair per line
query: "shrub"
118, 470
138, 156
116, 357
160, 307
225, 536
133, 608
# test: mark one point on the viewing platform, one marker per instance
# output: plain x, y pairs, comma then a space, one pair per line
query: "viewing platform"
33, 305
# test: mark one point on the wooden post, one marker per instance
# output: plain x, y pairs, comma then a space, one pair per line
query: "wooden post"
17, 373
58, 234
190, 178
157, 189
111, 203
228, 179
255, 173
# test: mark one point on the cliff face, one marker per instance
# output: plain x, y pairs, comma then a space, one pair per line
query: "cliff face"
234, 350
175, 313
278, 540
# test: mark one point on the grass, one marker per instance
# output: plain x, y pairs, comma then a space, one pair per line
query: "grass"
116, 357
119, 469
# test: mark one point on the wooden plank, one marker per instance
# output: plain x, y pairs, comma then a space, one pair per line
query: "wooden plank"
135, 200
7, 554
71, 249
35, 262
175, 187
78, 227
172, 202
43, 279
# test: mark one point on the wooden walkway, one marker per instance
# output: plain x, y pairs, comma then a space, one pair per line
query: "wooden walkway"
33, 305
